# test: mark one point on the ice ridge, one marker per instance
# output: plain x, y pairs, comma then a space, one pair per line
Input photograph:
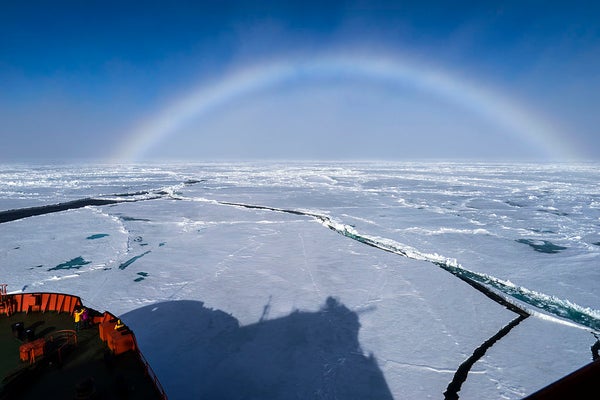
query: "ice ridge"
495, 288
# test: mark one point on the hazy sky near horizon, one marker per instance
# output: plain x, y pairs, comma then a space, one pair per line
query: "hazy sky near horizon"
222, 80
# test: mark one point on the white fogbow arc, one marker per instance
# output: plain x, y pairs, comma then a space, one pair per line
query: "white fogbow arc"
492, 105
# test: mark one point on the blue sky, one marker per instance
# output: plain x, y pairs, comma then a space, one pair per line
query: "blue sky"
79, 79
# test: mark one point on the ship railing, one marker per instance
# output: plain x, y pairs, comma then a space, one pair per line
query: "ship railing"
42, 302
69, 336
111, 320
153, 376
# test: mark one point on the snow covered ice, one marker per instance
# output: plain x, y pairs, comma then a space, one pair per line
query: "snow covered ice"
322, 280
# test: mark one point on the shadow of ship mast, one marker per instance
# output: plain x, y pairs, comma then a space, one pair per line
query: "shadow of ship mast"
204, 353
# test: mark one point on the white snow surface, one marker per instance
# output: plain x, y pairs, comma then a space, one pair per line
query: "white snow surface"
257, 280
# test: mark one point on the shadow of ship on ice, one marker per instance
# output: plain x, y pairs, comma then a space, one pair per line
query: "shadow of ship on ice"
203, 353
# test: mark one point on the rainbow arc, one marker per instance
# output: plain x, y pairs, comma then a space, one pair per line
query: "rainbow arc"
500, 110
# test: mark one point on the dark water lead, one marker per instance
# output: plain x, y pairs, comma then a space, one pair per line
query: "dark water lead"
74, 263
125, 218
21, 213
97, 236
460, 376
555, 306
554, 212
543, 246
542, 231
13, 215
142, 276
132, 260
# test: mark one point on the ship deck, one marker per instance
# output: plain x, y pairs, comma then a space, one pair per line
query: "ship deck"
87, 369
